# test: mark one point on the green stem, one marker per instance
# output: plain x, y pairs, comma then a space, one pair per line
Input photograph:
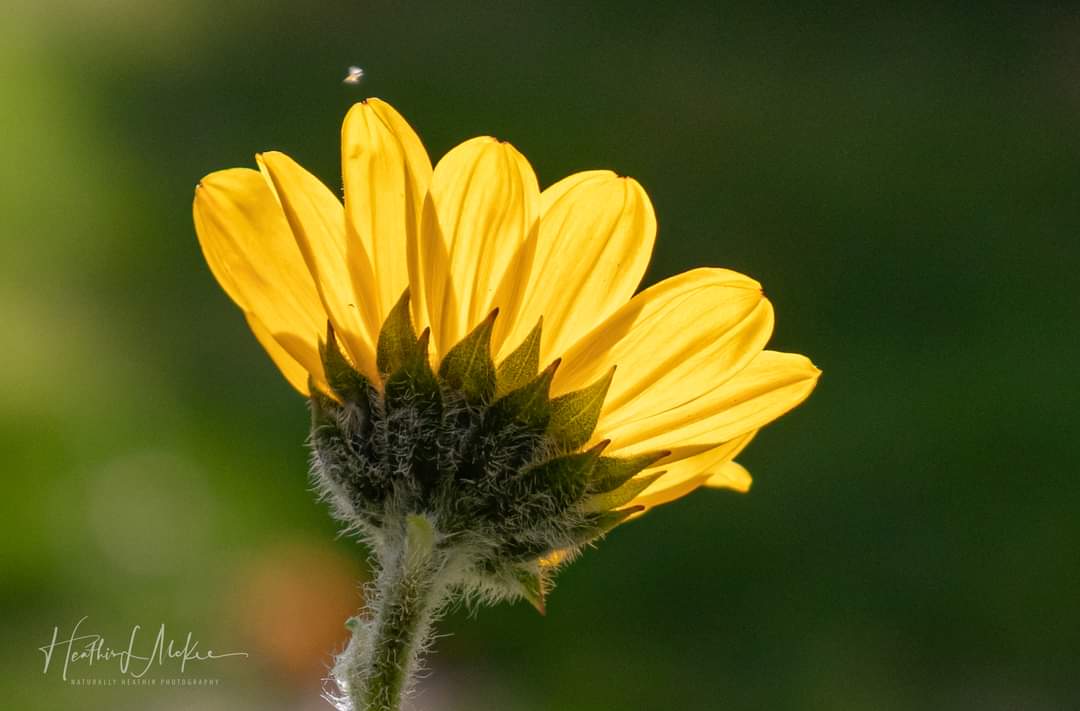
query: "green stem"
378, 666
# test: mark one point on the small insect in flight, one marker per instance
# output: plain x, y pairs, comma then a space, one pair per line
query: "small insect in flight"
354, 76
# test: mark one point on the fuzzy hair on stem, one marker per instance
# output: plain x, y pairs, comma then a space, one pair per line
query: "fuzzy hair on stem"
465, 485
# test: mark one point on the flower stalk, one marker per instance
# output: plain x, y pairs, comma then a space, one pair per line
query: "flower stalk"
378, 667
489, 391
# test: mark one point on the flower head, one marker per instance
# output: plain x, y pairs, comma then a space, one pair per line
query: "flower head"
474, 348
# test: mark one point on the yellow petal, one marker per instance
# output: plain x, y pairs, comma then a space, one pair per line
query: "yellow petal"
386, 173
730, 475
427, 258
670, 343
484, 202
555, 192
769, 386
296, 374
251, 251
688, 474
593, 245
317, 220
509, 330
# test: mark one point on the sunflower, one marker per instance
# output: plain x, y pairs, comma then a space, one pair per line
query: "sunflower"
485, 382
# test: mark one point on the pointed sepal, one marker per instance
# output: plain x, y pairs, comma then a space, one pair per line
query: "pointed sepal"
521, 365
468, 367
530, 583
574, 415
529, 405
397, 338
600, 524
413, 401
620, 496
413, 382
344, 380
323, 409
612, 472
595, 526
561, 480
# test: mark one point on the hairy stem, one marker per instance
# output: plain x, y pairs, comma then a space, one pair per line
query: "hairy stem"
377, 668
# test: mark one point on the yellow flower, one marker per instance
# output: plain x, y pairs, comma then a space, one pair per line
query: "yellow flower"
691, 377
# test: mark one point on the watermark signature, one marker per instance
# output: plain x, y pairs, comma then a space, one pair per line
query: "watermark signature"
66, 653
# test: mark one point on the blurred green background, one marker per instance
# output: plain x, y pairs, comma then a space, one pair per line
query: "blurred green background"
902, 178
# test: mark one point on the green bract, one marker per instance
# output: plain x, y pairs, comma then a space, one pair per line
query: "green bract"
479, 450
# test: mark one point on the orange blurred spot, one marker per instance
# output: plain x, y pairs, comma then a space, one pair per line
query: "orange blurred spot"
293, 603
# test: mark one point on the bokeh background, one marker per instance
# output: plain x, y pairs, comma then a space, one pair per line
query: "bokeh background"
903, 179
